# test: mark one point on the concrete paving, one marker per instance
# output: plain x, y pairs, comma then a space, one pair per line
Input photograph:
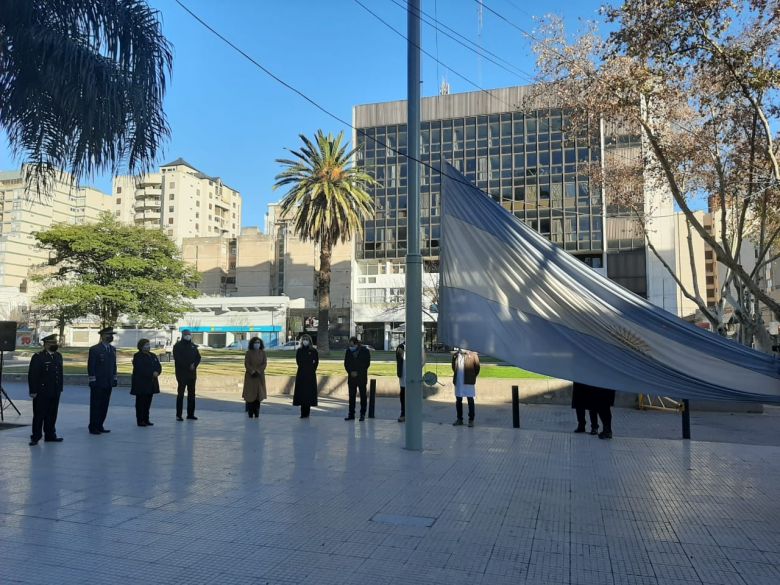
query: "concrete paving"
283, 501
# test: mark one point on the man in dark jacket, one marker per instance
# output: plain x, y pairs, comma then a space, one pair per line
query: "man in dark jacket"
357, 360
44, 379
101, 368
582, 400
400, 370
186, 359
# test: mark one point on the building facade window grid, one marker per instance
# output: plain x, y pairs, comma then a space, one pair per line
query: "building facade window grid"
524, 161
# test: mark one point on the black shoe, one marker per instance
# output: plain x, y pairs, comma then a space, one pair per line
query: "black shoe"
362, 417
91, 432
458, 422
53, 440
193, 417
33, 442
605, 435
350, 417
149, 424
179, 418
105, 431
304, 416
402, 418
579, 430
141, 424
471, 423
594, 431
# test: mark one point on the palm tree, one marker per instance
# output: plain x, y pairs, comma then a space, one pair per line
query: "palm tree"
327, 203
82, 84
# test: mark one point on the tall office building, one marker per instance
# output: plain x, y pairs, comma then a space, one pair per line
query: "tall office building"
181, 200
526, 161
23, 212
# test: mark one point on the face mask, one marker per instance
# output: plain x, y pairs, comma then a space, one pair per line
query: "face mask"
255, 346
109, 338
305, 343
187, 338
146, 347
353, 347
53, 347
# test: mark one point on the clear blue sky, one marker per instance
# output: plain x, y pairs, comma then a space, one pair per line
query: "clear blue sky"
229, 119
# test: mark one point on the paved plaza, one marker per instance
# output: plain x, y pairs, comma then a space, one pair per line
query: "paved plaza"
280, 500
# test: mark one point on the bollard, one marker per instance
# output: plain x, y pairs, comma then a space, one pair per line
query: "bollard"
515, 407
371, 397
686, 419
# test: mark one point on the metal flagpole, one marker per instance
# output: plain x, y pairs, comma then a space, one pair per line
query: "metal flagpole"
414, 349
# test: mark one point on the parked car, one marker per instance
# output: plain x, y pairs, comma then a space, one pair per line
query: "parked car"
289, 346
242, 344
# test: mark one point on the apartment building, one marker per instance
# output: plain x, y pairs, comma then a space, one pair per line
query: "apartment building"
181, 200
24, 212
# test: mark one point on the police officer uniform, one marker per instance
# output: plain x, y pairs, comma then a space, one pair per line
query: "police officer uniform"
186, 359
101, 368
44, 379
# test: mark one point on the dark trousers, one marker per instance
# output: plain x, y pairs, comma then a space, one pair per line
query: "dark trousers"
403, 401
459, 407
45, 416
99, 398
253, 408
355, 384
143, 402
190, 386
594, 418
605, 414
305, 410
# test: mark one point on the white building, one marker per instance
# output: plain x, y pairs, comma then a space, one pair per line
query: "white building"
181, 200
24, 212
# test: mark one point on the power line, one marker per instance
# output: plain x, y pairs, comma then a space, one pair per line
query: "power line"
436, 11
341, 120
403, 36
437, 24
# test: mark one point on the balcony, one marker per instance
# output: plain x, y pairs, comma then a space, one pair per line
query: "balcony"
142, 216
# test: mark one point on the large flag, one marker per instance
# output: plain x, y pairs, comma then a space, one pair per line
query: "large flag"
508, 292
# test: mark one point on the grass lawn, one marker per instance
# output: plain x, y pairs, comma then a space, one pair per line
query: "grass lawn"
282, 363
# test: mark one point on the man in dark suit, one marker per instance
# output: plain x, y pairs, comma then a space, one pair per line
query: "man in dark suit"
357, 360
186, 359
44, 379
101, 368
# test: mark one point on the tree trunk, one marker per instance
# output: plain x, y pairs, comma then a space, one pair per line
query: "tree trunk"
61, 326
323, 292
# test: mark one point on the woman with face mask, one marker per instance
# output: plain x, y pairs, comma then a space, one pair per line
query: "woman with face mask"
144, 383
308, 359
255, 363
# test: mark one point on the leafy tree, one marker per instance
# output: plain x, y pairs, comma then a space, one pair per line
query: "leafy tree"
111, 270
63, 304
328, 203
82, 84
697, 82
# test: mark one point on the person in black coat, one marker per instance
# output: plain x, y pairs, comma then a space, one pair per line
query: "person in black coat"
400, 371
44, 379
101, 368
581, 401
357, 360
305, 394
145, 383
186, 358
603, 401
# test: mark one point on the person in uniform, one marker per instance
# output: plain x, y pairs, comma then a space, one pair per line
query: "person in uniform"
144, 383
101, 368
357, 360
186, 358
44, 379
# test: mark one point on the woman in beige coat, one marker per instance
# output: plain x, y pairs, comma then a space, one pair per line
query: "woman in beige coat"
255, 363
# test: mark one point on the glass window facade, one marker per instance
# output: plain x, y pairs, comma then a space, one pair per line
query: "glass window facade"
524, 161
